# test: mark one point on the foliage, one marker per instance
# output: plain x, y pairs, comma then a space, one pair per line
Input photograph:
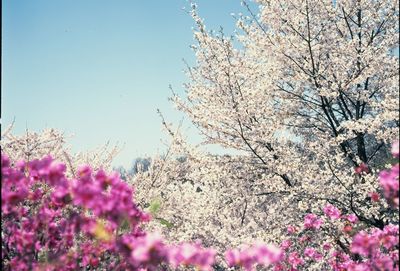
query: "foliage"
51, 222
308, 104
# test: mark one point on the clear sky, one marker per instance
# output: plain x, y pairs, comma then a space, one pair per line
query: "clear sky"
99, 69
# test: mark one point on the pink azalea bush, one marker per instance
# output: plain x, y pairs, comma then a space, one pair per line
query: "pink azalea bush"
350, 247
374, 249
389, 180
257, 254
50, 222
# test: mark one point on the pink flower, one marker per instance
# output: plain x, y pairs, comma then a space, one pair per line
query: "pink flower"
147, 248
395, 149
352, 218
309, 252
311, 221
364, 244
312, 254
304, 238
205, 259
362, 168
359, 267
389, 180
295, 260
84, 172
391, 229
60, 196
195, 255
332, 212
374, 196
56, 173
291, 229
286, 244
266, 255
86, 194
232, 257
5, 162
318, 256
390, 236
259, 253
327, 246
347, 228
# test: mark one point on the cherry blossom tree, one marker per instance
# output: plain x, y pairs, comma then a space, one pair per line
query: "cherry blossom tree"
34, 145
51, 222
306, 94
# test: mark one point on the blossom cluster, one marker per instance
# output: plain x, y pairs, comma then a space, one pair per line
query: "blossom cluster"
257, 254
322, 240
389, 179
306, 97
51, 222
378, 247
375, 249
55, 223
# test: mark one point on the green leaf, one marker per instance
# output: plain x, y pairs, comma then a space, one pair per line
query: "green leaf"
155, 206
124, 226
43, 256
165, 222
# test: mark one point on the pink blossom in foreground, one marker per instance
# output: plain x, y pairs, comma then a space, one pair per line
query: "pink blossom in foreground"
396, 149
286, 244
364, 244
331, 211
148, 250
389, 180
311, 221
291, 229
352, 218
250, 256
379, 247
77, 223
327, 246
191, 254
295, 260
312, 254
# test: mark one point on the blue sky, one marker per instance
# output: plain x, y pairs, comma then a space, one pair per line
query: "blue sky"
99, 69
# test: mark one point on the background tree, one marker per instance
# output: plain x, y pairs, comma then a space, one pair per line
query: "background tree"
307, 93
35, 145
